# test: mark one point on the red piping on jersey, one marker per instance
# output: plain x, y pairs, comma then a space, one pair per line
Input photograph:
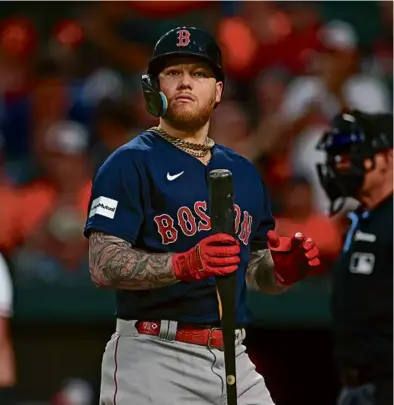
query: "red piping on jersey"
116, 369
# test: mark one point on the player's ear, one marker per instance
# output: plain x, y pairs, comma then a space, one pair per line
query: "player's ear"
219, 91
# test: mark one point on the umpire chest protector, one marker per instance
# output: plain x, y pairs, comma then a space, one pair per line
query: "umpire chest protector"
181, 41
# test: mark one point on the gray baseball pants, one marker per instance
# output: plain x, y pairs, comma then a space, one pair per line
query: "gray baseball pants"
139, 369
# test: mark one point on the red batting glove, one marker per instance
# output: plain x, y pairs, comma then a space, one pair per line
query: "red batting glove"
294, 258
216, 255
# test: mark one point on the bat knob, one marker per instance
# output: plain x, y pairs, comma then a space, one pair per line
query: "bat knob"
216, 174
230, 379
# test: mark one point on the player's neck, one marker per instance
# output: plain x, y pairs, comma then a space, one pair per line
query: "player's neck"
198, 136
373, 199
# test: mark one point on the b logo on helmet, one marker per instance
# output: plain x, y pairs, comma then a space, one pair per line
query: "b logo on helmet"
183, 38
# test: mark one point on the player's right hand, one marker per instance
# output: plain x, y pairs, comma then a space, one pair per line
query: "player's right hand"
215, 255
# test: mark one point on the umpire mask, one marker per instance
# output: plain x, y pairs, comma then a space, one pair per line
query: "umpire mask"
353, 138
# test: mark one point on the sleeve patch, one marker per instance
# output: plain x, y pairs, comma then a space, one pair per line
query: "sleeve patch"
103, 206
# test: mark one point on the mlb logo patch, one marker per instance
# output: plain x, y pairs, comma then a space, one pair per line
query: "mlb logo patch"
362, 263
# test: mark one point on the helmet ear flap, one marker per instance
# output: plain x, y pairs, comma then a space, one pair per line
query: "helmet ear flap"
156, 101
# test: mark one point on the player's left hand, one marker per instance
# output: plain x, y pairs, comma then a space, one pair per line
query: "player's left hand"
294, 258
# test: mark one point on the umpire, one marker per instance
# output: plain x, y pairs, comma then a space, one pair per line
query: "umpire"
359, 164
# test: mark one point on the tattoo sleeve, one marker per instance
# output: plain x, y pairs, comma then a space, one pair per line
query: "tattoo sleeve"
260, 273
113, 262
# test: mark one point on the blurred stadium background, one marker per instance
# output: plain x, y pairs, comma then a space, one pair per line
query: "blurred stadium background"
70, 94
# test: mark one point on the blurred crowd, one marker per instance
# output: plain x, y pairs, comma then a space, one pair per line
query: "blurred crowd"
70, 95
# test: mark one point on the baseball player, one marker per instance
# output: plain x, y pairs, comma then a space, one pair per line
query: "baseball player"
150, 239
359, 164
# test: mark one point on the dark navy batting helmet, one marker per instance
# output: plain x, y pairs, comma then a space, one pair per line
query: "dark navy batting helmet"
181, 41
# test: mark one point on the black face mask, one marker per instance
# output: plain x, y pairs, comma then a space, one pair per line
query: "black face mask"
340, 184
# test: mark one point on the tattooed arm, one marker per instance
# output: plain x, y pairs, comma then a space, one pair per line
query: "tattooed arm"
113, 262
260, 273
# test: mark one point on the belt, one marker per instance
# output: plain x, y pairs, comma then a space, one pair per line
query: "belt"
187, 334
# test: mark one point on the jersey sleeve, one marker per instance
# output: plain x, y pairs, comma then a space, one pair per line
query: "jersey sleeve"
115, 206
266, 221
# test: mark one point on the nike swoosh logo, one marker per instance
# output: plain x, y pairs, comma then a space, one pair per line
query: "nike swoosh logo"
174, 176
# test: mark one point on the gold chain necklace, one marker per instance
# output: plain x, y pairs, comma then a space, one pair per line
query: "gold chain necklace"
193, 149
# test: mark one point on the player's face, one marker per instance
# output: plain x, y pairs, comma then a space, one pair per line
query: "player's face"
191, 90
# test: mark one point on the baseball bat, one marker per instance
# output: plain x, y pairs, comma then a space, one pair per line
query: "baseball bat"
221, 199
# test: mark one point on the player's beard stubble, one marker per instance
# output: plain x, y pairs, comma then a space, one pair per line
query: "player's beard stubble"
189, 118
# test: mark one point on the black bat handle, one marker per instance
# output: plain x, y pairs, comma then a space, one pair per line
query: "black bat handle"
223, 221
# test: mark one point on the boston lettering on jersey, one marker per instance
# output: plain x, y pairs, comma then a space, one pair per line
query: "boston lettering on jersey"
190, 221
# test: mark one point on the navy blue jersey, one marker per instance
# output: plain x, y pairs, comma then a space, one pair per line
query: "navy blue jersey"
155, 196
